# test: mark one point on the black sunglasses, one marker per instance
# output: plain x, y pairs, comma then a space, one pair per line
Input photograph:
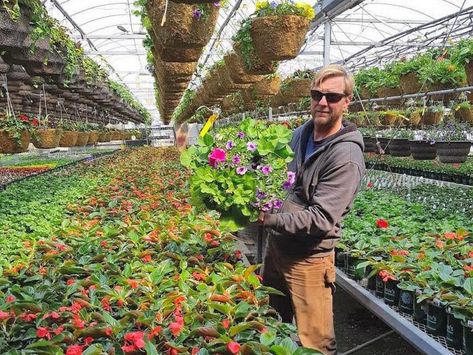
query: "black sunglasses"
332, 97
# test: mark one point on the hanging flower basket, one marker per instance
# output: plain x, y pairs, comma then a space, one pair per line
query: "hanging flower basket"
410, 83
464, 115
431, 118
268, 86
293, 89
278, 38
387, 92
46, 138
453, 152
93, 138
254, 65
68, 139
415, 118
11, 145
423, 150
400, 148
237, 72
104, 137
12, 33
186, 27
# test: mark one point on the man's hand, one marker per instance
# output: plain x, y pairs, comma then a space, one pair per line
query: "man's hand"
260, 219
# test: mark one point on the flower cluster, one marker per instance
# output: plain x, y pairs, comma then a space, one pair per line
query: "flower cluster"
243, 170
284, 7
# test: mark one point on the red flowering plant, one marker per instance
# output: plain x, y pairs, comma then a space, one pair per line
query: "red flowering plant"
241, 170
16, 125
89, 288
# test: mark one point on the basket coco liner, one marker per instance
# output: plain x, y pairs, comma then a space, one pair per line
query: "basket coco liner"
431, 118
104, 137
82, 139
181, 29
464, 115
93, 137
440, 86
294, 89
257, 65
267, 86
46, 138
410, 83
278, 37
387, 92
12, 33
68, 139
11, 145
235, 67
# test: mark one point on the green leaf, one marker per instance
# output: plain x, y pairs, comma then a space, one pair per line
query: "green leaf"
468, 285
150, 348
94, 349
306, 351
267, 338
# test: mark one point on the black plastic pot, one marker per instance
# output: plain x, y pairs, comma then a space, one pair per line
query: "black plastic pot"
406, 301
453, 152
454, 331
391, 293
400, 148
385, 144
371, 285
351, 268
340, 259
379, 287
423, 150
468, 338
420, 311
436, 319
370, 145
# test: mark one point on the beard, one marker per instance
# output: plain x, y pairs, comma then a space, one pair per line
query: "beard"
324, 121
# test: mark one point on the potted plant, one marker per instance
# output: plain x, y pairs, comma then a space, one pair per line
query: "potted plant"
297, 85
366, 81
462, 54
279, 27
433, 114
69, 133
45, 137
452, 143
93, 134
400, 146
369, 140
237, 71
388, 85
268, 86
423, 146
463, 111
408, 72
15, 133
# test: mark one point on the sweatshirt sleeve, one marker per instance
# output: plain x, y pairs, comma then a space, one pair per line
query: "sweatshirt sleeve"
334, 193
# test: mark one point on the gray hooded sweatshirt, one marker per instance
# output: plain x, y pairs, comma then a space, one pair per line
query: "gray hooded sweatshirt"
309, 221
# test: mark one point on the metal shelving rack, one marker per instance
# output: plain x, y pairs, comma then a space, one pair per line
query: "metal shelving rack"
415, 333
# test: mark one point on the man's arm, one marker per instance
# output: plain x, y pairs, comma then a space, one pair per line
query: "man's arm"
334, 193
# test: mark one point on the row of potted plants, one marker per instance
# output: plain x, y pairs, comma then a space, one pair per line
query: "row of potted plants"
437, 69
417, 259
29, 35
17, 132
450, 142
134, 268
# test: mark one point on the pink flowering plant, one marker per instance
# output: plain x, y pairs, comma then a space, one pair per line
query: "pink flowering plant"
241, 170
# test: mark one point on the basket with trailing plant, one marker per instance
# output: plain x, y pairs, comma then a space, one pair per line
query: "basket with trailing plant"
104, 135
186, 29
463, 112
441, 74
235, 65
388, 85
45, 137
423, 146
433, 114
366, 82
279, 27
462, 55
268, 86
452, 143
408, 72
15, 133
69, 133
391, 117
93, 134
14, 26
297, 85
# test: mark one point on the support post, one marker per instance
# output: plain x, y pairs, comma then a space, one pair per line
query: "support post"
327, 38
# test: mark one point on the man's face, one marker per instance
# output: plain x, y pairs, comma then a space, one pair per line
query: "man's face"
324, 113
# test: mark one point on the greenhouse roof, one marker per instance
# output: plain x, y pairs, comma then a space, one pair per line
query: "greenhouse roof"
363, 33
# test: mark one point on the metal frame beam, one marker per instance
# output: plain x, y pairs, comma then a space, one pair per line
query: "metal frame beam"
328, 9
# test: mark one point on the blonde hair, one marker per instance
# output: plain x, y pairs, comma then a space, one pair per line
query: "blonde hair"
334, 70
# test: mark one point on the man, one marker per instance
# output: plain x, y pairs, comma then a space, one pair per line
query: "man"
329, 166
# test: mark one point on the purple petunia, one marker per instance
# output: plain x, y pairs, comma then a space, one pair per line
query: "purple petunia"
197, 14
241, 135
260, 194
291, 179
266, 170
236, 159
273, 4
241, 170
230, 145
251, 146
277, 204
266, 207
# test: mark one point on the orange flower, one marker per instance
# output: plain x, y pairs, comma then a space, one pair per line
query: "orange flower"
132, 283
233, 347
439, 244
382, 223
421, 255
449, 235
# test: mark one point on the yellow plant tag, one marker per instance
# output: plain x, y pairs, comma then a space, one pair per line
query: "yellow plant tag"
208, 124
